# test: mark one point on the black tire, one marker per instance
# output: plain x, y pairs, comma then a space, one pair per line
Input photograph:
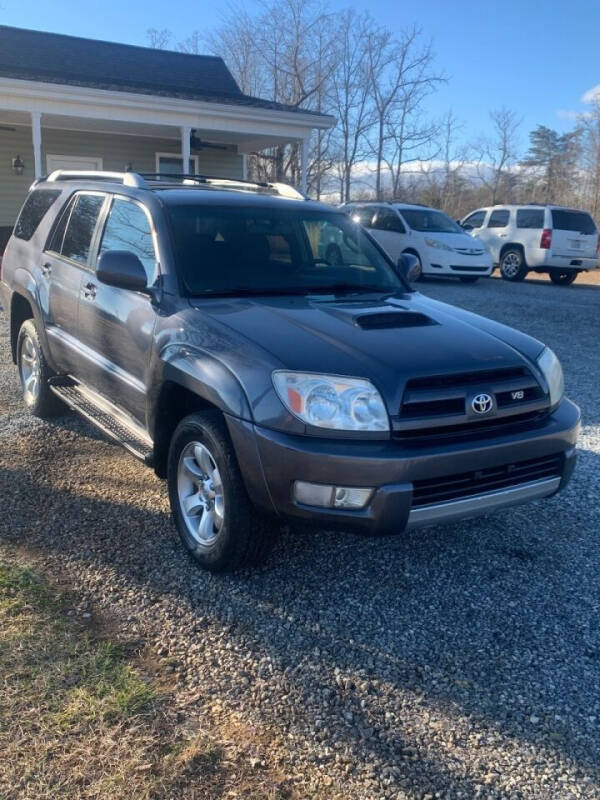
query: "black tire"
512, 264
563, 278
34, 373
469, 278
244, 536
333, 255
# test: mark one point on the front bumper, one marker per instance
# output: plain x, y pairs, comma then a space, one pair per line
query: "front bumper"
272, 461
442, 262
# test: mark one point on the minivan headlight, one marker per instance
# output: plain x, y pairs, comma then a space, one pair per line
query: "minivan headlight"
552, 371
329, 401
438, 245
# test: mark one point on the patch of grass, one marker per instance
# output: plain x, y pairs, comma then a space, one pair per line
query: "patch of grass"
79, 718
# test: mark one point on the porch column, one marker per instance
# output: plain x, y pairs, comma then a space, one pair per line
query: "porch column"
36, 135
303, 164
185, 147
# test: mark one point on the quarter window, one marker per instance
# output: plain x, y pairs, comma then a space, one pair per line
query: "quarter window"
80, 228
128, 228
530, 218
33, 212
498, 219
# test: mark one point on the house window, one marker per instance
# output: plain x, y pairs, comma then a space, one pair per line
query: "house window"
171, 164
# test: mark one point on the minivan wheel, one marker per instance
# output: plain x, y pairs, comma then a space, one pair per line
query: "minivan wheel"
512, 265
563, 278
213, 514
34, 373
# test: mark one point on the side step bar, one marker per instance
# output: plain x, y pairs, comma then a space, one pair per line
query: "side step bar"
104, 416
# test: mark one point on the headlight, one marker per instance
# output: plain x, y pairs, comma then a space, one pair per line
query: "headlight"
328, 401
552, 371
438, 245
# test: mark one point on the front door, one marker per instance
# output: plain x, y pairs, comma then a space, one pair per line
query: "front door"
117, 325
85, 163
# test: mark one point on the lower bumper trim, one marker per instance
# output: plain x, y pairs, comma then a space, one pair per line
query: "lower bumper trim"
482, 503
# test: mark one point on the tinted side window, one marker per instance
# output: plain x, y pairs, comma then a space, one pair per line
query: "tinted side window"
475, 220
33, 211
498, 219
128, 228
363, 215
572, 221
530, 218
82, 222
388, 220
57, 235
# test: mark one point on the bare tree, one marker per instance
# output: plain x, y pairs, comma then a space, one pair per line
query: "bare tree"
497, 153
351, 93
158, 38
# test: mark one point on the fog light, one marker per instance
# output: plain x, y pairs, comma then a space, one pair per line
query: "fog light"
325, 496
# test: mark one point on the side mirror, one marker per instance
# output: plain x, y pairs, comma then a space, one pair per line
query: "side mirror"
408, 267
122, 269
467, 228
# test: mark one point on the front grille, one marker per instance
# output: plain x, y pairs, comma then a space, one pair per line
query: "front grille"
442, 403
469, 251
467, 484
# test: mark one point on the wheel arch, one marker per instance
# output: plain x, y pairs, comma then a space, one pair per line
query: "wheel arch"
21, 309
512, 246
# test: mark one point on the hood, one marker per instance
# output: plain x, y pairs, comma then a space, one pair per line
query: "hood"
456, 240
386, 340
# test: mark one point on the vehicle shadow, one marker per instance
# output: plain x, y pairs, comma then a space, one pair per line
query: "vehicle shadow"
410, 644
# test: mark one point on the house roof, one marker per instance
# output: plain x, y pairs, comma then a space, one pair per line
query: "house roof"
57, 58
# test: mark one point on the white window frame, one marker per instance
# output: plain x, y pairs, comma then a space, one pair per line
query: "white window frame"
158, 156
75, 159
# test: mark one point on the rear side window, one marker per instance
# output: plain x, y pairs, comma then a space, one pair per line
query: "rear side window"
498, 219
33, 212
530, 218
572, 221
80, 228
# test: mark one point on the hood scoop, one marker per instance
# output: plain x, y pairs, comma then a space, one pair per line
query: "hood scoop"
393, 319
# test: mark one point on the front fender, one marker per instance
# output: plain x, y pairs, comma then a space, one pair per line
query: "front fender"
205, 376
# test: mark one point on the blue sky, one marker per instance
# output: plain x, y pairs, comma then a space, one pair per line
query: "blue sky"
535, 58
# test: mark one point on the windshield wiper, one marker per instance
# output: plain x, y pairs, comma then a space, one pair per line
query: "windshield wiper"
335, 288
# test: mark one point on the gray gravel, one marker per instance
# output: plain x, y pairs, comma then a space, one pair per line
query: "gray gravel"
451, 662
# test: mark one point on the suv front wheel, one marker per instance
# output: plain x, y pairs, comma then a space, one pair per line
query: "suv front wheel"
512, 264
212, 511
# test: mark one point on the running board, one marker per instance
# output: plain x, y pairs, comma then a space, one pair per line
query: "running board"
104, 416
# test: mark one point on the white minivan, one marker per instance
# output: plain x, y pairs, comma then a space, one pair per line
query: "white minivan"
441, 246
560, 241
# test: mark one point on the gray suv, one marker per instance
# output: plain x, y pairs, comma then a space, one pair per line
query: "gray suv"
202, 324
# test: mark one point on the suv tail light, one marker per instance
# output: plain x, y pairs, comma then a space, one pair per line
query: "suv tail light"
546, 239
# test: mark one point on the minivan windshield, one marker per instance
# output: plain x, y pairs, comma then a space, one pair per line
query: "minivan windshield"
241, 251
428, 221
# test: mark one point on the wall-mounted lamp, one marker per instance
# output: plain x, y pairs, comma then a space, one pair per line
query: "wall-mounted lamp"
18, 165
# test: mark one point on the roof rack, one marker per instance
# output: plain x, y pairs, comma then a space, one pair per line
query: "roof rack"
149, 180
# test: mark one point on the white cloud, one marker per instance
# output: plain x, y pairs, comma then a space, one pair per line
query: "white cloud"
564, 113
591, 94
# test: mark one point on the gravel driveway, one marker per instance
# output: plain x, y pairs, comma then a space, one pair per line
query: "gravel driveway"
450, 662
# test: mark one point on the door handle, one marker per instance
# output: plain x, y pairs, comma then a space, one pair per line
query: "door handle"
89, 291
46, 270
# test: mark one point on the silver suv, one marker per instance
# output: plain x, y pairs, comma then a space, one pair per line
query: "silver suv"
560, 241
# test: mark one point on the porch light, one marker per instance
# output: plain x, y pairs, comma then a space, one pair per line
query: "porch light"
18, 165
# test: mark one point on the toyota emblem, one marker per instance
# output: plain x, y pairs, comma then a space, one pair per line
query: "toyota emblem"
482, 403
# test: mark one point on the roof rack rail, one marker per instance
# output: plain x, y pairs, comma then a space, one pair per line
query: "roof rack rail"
145, 180
126, 178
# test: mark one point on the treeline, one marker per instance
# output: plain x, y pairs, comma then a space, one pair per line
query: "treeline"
384, 146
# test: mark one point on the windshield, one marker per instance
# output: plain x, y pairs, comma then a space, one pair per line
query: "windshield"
423, 219
258, 251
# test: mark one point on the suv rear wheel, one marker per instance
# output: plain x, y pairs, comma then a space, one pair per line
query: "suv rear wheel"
512, 264
34, 373
212, 511
563, 278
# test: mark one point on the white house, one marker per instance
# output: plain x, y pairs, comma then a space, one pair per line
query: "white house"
74, 103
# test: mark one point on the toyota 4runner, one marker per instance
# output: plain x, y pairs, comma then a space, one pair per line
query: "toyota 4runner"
200, 323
